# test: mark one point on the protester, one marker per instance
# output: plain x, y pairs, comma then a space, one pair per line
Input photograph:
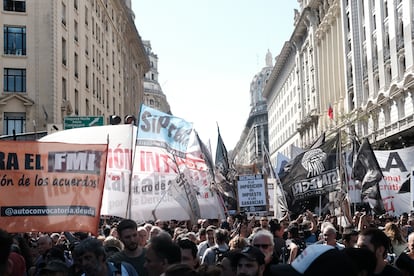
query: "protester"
44, 244
350, 238
375, 240
133, 253
329, 234
398, 243
90, 253
212, 254
209, 242
143, 236
263, 240
410, 246
295, 244
250, 261
278, 230
161, 253
188, 253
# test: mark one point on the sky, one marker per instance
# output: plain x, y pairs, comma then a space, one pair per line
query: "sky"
208, 53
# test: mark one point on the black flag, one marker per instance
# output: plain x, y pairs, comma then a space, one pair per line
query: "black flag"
312, 173
367, 171
222, 160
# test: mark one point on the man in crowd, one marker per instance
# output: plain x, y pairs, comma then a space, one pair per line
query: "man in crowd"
188, 253
350, 238
161, 253
329, 235
376, 241
90, 255
250, 261
209, 242
211, 255
44, 244
133, 253
142, 236
263, 240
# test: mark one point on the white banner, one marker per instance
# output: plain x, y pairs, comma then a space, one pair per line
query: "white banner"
396, 167
148, 185
118, 167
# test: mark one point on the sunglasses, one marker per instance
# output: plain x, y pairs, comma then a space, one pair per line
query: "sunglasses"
264, 246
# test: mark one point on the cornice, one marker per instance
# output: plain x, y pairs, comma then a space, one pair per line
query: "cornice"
24, 99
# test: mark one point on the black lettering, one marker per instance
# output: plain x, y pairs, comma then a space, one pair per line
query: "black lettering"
399, 164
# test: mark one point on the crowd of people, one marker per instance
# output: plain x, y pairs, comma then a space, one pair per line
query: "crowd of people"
301, 245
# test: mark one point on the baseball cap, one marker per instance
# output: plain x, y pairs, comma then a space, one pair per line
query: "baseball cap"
318, 259
252, 253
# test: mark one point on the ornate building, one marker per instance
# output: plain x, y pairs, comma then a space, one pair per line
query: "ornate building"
153, 95
249, 150
380, 71
68, 57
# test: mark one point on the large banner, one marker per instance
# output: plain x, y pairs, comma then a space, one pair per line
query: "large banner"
121, 144
169, 176
153, 170
158, 129
51, 187
395, 166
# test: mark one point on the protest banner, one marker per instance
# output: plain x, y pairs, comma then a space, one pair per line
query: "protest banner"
121, 141
51, 187
252, 194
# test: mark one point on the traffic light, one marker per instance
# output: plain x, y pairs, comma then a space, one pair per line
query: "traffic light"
114, 120
130, 119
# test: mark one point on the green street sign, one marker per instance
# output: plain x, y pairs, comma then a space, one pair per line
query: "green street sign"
82, 121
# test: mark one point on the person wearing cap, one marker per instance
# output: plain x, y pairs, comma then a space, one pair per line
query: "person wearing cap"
377, 241
209, 242
250, 261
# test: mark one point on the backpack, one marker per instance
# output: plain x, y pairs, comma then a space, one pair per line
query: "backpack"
219, 255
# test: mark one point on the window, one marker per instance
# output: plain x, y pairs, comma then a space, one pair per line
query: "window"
76, 66
63, 14
14, 121
64, 87
63, 51
76, 102
87, 76
14, 40
76, 30
14, 80
15, 6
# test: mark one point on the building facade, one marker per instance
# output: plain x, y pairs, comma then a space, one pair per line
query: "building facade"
68, 58
380, 70
153, 95
250, 148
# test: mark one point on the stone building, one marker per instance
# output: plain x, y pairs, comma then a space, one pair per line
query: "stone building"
68, 58
153, 95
